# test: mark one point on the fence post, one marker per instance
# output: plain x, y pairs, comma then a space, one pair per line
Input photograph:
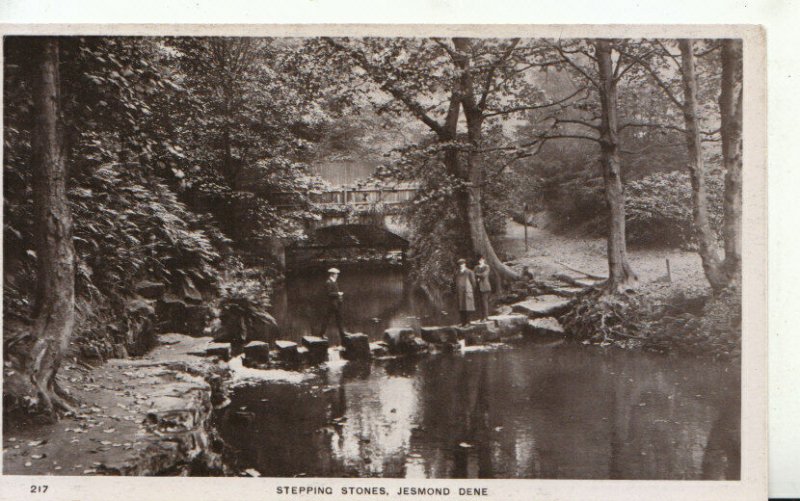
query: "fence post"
525, 223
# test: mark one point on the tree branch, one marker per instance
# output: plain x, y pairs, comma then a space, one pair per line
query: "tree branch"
375, 74
668, 53
492, 69
534, 107
558, 121
657, 79
573, 64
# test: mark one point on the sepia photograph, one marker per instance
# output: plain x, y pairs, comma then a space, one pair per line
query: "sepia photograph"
387, 257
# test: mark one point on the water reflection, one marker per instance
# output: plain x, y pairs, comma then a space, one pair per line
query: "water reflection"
530, 412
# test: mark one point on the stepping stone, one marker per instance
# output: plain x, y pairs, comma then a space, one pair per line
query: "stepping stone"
541, 327
378, 349
493, 332
417, 345
503, 309
510, 324
449, 347
356, 347
462, 331
287, 351
257, 351
401, 340
473, 334
317, 348
475, 338
544, 306
304, 355
439, 335
397, 336
568, 291
221, 350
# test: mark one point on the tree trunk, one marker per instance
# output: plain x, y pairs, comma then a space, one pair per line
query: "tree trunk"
474, 116
478, 235
706, 238
55, 317
620, 274
730, 106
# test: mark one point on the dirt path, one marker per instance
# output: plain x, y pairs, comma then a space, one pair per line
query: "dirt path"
546, 250
136, 417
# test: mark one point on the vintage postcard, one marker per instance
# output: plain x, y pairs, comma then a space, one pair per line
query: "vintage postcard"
329, 262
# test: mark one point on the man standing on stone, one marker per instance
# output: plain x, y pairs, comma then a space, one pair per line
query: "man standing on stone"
465, 290
333, 304
484, 287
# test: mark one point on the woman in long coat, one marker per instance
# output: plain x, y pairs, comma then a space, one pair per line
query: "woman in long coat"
482, 272
465, 290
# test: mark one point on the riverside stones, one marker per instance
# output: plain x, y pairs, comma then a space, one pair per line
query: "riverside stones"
379, 349
439, 335
221, 350
398, 336
473, 334
543, 306
403, 341
510, 324
317, 348
287, 352
356, 347
256, 351
548, 326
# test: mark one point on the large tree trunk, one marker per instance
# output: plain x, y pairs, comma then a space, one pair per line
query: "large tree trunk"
55, 315
706, 238
478, 235
474, 116
620, 274
730, 106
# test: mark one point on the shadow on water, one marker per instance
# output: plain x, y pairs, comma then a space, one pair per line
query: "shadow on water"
559, 411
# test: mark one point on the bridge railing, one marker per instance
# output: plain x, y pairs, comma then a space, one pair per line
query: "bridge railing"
364, 196
356, 197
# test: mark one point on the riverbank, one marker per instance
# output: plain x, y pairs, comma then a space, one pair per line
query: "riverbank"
549, 252
145, 416
672, 309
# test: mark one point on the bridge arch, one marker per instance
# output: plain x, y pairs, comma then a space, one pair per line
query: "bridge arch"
346, 244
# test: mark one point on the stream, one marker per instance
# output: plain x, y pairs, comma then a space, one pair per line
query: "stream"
537, 410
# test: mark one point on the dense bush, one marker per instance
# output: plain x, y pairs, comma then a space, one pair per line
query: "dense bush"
715, 330
243, 303
577, 202
659, 209
660, 320
128, 228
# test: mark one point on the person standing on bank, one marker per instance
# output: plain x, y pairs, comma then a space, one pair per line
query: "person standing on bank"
482, 272
333, 304
465, 290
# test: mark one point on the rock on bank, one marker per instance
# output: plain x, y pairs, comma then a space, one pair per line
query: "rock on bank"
148, 416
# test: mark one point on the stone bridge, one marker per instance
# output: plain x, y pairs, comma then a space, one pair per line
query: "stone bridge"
360, 224
365, 205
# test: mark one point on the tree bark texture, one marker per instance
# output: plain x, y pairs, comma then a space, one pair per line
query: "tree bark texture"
706, 238
621, 274
474, 175
52, 327
730, 107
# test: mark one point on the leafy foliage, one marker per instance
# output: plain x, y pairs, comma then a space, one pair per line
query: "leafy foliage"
659, 209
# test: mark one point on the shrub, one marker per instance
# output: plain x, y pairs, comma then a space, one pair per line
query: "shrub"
716, 331
659, 209
127, 228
